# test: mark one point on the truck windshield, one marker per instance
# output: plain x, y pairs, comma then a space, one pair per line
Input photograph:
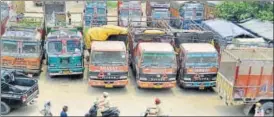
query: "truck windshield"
73, 45
158, 59
108, 57
124, 13
101, 11
160, 14
30, 47
9, 47
201, 59
135, 13
54, 46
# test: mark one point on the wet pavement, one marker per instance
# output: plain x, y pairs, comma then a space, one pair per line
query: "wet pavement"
79, 96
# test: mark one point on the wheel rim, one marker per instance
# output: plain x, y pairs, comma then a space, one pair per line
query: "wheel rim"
3, 108
269, 111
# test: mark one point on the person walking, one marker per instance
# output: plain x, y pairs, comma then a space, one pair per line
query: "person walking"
47, 109
259, 111
64, 112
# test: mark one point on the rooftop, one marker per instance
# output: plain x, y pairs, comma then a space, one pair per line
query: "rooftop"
108, 45
198, 47
225, 28
261, 28
156, 47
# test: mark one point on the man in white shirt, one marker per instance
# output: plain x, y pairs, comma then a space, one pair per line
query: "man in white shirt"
259, 111
104, 104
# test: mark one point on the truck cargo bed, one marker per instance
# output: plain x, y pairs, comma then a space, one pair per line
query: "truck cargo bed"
246, 75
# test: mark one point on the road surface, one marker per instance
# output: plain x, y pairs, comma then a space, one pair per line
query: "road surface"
79, 97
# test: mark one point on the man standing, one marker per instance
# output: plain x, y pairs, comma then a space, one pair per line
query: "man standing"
69, 17
259, 111
64, 112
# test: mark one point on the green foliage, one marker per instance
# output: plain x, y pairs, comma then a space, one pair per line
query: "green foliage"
237, 11
112, 4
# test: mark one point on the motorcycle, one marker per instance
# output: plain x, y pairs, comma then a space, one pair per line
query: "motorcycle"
111, 112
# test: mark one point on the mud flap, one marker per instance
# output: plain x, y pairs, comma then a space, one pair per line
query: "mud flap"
247, 108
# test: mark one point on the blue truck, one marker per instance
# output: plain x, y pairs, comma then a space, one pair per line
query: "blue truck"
185, 14
157, 11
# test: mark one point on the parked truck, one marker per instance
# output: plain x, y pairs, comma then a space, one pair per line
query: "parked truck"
198, 65
185, 12
4, 12
22, 46
108, 66
246, 77
129, 11
16, 91
108, 57
64, 52
152, 57
157, 11
55, 14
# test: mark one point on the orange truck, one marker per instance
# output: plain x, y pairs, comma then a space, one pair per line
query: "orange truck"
154, 65
22, 50
246, 77
108, 64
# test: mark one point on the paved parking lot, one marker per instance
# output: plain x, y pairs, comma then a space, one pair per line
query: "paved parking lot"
78, 96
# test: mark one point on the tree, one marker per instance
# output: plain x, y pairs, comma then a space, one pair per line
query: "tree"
238, 11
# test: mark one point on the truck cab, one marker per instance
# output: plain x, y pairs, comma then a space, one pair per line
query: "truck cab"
95, 13
64, 52
130, 11
155, 65
187, 13
22, 50
198, 65
16, 91
108, 66
157, 11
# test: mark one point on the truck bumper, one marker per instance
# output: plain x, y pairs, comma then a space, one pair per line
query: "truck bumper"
197, 84
107, 83
69, 71
156, 85
28, 71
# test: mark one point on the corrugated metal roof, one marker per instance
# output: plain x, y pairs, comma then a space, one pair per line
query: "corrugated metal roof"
225, 28
261, 28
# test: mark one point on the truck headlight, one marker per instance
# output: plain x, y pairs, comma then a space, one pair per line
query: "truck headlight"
142, 78
51, 65
92, 76
123, 77
172, 79
79, 64
187, 78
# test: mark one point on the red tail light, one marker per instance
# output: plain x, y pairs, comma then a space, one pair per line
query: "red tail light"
24, 98
101, 74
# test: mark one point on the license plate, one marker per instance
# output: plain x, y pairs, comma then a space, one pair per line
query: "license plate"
202, 86
158, 86
109, 86
66, 72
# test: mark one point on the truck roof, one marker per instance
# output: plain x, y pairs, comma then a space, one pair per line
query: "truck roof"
198, 47
156, 47
108, 45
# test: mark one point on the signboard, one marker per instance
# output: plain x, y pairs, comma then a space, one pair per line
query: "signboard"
60, 19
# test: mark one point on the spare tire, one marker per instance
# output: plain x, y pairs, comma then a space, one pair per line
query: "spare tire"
5, 109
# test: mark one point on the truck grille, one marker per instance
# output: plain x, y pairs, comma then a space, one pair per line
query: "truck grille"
65, 61
109, 75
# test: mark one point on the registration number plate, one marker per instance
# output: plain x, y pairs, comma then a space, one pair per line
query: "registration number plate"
66, 72
108, 86
158, 86
202, 86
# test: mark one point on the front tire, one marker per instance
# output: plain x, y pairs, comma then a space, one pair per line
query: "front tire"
268, 107
5, 109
